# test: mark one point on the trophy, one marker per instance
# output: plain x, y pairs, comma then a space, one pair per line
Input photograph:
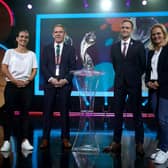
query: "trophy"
88, 40
86, 81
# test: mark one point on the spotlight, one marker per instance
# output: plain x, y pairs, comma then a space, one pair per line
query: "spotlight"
58, 1
106, 5
85, 3
29, 6
144, 2
128, 3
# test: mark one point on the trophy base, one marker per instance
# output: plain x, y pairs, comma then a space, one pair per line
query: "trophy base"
86, 149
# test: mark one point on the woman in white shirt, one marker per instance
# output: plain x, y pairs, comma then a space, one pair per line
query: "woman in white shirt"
19, 66
157, 82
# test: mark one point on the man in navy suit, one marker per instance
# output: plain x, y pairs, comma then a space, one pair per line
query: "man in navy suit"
129, 60
57, 62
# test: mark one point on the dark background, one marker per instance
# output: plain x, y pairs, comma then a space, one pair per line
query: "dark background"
25, 18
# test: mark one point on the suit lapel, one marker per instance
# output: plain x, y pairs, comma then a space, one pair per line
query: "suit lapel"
52, 53
161, 58
131, 44
64, 50
119, 48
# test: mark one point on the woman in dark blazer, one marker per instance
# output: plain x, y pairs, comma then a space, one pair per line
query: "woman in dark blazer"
157, 82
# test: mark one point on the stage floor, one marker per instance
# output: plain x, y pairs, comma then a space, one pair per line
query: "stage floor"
56, 157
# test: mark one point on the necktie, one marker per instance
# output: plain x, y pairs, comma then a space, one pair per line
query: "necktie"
124, 49
58, 50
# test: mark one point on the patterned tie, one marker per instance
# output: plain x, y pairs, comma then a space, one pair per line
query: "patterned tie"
58, 50
124, 49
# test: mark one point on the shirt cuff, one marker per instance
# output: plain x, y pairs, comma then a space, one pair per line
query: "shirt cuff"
49, 80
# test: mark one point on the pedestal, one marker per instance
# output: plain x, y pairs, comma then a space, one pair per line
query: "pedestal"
86, 82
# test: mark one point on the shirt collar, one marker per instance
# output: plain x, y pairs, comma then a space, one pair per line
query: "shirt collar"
61, 44
126, 41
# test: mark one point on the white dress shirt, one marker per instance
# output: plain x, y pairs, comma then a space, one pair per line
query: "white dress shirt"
61, 48
127, 44
154, 64
60, 54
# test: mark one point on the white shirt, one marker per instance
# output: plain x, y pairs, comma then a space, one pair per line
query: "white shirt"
20, 64
127, 44
154, 64
61, 47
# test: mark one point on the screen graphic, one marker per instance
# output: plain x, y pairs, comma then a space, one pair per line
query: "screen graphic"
105, 27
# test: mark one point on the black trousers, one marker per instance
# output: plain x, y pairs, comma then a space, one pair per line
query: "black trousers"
134, 98
22, 98
60, 96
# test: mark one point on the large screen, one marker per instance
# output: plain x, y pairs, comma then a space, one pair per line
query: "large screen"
106, 27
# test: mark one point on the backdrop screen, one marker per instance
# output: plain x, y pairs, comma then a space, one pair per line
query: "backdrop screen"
106, 27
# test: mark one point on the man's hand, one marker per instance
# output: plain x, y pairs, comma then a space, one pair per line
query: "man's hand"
54, 81
58, 83
62, 82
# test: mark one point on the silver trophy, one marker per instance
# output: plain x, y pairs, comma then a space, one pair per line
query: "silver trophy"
88, 40
86, 80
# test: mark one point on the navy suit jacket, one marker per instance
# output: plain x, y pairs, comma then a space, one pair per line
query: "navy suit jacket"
130, 68
68, 63
162, 69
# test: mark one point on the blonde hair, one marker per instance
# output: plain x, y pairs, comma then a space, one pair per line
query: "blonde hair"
59, 25
152, 45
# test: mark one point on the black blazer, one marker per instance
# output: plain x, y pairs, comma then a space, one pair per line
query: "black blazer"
162, 69
68, 63
130, 68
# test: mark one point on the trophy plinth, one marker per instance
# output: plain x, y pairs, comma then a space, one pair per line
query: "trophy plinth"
86, 82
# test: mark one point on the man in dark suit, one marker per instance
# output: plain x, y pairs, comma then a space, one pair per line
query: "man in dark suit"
57, 61
128, 59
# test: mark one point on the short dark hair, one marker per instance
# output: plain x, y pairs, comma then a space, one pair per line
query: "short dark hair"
128, 20
21, 30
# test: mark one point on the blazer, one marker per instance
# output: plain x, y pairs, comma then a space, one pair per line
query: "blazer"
162, 69
68, 63
128, 68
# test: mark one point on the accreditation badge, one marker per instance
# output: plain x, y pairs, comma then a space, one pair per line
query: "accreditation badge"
57, 71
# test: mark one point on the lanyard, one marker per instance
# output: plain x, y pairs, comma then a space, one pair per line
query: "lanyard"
57, 60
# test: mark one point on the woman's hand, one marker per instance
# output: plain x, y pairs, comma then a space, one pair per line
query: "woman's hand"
153, 85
